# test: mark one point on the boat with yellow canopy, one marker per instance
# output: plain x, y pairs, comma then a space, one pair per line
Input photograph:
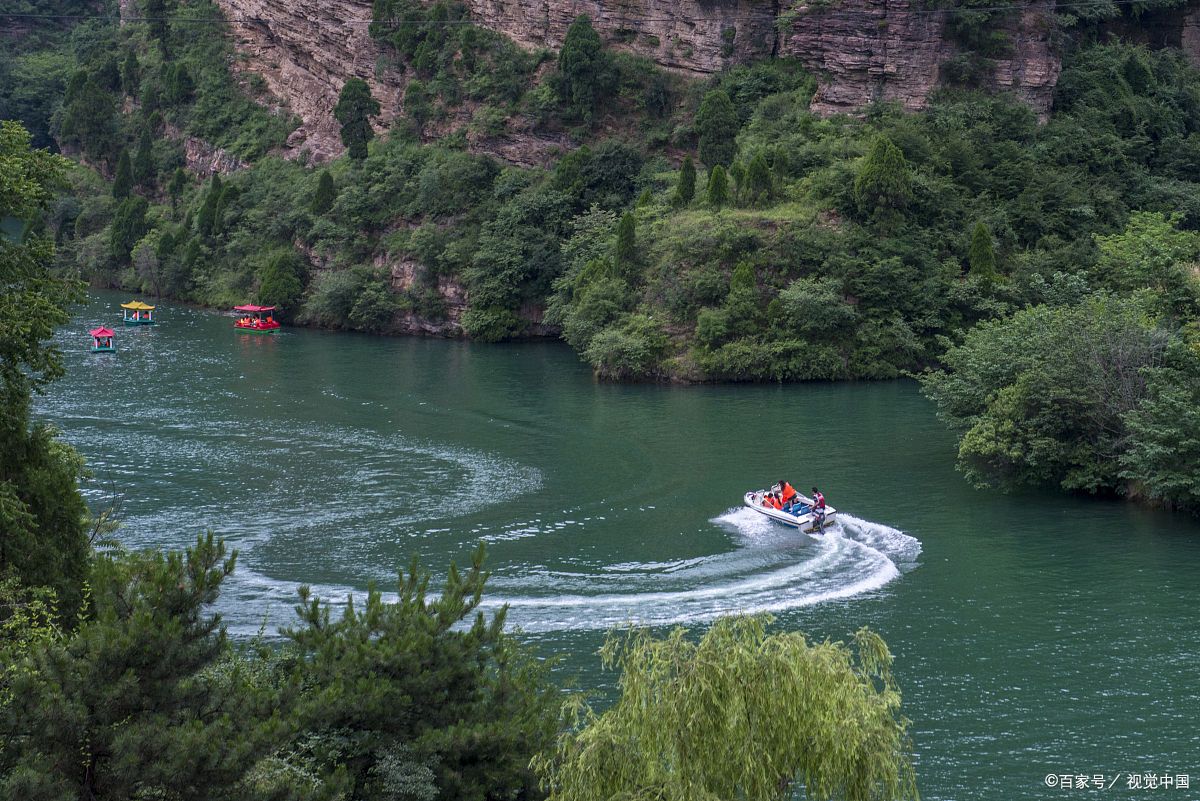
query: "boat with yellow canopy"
138, 313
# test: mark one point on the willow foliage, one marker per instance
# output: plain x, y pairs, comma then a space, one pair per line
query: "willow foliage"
740, 714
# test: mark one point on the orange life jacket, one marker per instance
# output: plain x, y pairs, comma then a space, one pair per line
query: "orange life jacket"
772, 501
788, 493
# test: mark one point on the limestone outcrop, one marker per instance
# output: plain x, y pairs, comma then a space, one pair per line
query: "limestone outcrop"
860, 50
894, 50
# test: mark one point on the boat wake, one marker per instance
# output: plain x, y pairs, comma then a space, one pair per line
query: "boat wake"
772, 569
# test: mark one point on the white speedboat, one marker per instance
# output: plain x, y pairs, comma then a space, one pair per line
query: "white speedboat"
806, 521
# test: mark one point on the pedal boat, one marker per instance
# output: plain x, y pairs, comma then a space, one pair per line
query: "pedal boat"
804, 521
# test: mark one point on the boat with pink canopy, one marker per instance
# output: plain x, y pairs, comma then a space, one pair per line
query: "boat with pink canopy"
102, 340
256, 319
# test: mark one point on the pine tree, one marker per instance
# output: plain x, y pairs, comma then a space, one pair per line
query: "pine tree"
123, 181
981, 257
626, 251
325, 195
131, 74
280, 283
178, 85
143, 160
586, 74
883, 185
717, 124
451, 708
718, 187
685, 190
206, 219
156, 14
354, 111
178, 184
759, 184
145, 700
128, 226
89, 118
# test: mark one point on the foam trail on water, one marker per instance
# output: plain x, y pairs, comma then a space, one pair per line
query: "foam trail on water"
772, 569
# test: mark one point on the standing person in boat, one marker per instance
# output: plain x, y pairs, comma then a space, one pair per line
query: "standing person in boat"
818, 508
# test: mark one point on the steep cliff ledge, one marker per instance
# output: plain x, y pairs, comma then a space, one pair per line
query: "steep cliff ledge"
860, 50
305, 50
869, 50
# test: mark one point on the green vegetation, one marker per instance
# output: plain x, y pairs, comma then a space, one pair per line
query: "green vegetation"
586, 75
354, 111
817, 249
697, 720
43, 535
1089, 389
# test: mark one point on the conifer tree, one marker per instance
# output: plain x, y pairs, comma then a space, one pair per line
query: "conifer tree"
128, 226
759, 184
981, 257
325, 195
586, 74
450, 708
156, 14
354, 111
144, 701
626, 250
143, 160
280, 284
123, 181
178, 184
89, 118
717, 124
206, 219
883, 184
685, 190
131, 74
717, 192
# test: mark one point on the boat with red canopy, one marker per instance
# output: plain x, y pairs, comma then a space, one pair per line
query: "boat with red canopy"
102, 340
256, 319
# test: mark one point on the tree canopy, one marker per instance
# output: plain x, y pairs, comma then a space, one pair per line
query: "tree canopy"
742, 713
355, 109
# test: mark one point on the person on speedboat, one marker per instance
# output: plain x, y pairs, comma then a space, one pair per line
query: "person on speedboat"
770, 501
789, 498
818, 509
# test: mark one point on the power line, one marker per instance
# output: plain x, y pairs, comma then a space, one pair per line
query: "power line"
221, 20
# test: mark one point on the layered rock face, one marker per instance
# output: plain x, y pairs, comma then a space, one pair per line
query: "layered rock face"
894, 50
306, 50
696, 36
860, 50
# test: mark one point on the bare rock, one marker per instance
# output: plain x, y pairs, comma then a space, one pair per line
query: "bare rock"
202, 158
865, 51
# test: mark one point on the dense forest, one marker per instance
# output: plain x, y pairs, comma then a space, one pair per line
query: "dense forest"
694, 230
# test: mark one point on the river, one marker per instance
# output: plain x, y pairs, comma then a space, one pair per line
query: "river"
1034, 634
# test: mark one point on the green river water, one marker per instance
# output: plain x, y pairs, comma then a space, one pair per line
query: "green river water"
1033, 634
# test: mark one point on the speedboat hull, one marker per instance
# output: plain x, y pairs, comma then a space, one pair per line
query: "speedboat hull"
806, 521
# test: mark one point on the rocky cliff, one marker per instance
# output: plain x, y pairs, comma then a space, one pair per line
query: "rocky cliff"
868, 50
860, 50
